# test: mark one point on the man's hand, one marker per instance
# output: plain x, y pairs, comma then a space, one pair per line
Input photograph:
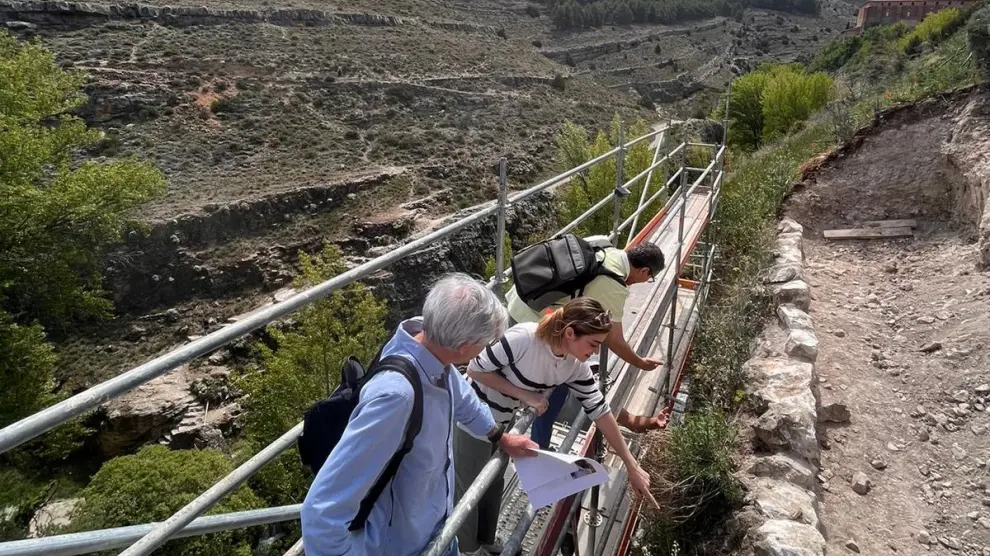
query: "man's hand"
639, 480
649, 363
536, 400
518, 446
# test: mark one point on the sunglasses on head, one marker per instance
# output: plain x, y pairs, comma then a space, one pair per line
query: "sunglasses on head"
603, 319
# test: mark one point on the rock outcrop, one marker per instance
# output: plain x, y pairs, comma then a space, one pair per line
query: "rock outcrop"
967, 152
168, 409
781, 515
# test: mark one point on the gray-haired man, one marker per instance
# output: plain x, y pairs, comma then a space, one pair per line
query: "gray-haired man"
460, 317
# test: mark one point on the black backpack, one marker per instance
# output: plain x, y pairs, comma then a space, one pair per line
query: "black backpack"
545, 272
324, 423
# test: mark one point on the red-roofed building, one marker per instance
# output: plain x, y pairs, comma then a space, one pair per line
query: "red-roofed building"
885, 12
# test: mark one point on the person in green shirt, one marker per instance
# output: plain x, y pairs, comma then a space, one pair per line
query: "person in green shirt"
640, 264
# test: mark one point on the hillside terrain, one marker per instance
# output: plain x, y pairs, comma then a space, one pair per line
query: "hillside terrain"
281, 125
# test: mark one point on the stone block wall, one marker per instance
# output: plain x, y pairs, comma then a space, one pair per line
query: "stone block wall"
780, 517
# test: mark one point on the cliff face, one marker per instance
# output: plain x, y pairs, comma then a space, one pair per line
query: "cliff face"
968, 150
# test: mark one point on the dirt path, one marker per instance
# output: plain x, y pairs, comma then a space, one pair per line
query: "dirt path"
904, 330
919, 421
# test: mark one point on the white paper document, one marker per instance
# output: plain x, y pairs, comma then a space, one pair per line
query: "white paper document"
549, 476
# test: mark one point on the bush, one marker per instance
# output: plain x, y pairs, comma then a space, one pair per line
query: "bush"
691, 475
153, 484
936, 27
27, 370
978, 36
773, 100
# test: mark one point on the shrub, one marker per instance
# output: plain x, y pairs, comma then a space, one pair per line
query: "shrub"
532, 11
978, 36
773, 101
691, 475
936, 27
153, 484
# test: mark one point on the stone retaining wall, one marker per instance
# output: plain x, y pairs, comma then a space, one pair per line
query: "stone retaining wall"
781, 513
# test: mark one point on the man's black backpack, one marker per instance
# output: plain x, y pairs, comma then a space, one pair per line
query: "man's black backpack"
325, 422
545, 272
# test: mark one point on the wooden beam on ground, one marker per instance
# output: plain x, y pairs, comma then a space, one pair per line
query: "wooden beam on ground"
869, 233
906, 223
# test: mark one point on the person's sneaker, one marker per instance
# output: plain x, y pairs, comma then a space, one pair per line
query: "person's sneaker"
568, 547
494, 548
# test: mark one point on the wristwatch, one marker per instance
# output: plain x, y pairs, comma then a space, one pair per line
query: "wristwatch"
496, 434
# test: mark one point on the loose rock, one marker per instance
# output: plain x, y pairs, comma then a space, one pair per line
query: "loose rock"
931, 347
834, 413
861, 483
951, 543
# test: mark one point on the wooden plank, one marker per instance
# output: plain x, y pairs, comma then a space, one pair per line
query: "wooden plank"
906, 223
869, 233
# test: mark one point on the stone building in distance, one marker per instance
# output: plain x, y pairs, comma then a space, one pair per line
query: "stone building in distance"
885, 12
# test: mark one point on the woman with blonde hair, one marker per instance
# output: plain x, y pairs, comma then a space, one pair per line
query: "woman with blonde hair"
523, 367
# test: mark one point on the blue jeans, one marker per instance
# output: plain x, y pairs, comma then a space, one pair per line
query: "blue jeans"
543, 425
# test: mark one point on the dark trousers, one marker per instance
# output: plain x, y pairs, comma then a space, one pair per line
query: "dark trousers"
470, 456
543, 425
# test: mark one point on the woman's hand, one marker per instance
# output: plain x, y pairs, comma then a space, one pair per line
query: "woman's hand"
537, 401
640, 482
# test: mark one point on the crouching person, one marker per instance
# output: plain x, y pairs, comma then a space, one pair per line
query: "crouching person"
522, 367
460, 317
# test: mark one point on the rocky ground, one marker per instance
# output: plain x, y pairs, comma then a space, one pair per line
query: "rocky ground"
904, 329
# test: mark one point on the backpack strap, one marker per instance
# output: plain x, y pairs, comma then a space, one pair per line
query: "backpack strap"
406, 368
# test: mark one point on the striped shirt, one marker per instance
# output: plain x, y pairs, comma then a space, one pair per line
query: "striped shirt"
525, 361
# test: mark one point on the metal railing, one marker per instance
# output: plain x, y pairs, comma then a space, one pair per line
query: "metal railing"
187, 521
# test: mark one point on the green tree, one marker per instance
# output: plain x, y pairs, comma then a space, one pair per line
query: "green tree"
623, 14
305, 367
153, 484
772, 100
746, 110
56, 213
591, 186
790, 97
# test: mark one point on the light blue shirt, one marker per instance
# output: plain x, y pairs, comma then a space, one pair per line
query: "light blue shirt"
411, 511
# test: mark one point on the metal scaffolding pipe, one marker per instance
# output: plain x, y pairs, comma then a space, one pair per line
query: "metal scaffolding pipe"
119, 537
491, 470
168, 528
296, 550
